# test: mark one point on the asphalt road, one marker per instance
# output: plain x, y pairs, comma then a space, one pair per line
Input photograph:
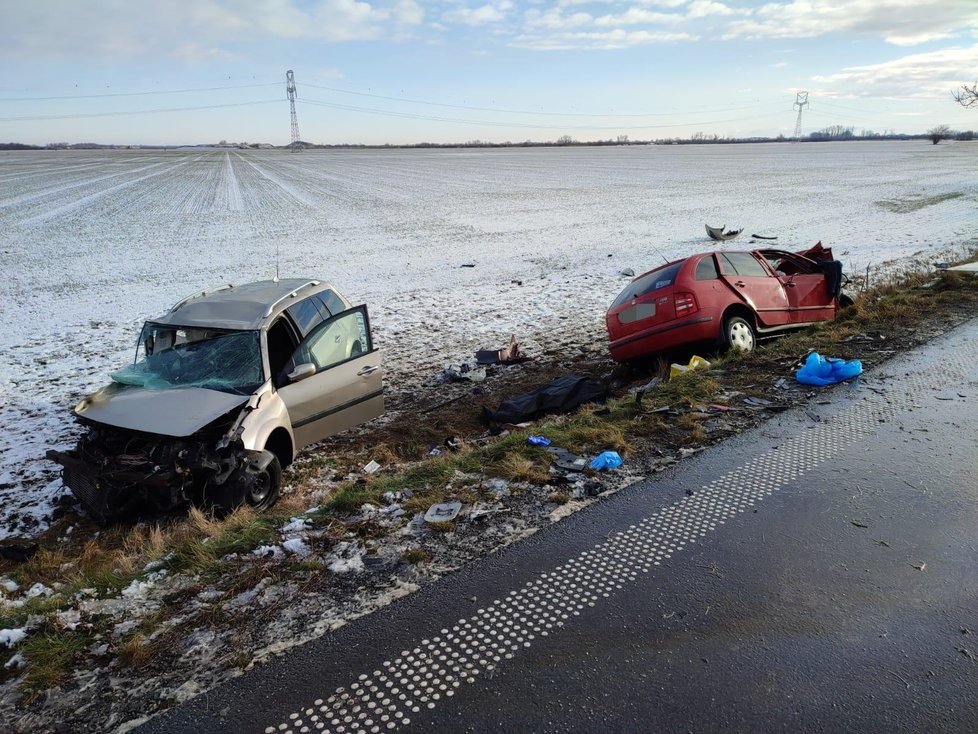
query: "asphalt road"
819, 573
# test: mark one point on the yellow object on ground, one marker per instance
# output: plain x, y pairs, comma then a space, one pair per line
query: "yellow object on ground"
695, 362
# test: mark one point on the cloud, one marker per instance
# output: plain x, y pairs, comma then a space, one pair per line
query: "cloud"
482, 15
918, 76
191, 31
603, 40
899, 22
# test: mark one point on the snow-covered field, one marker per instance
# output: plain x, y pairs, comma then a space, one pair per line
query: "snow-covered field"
93, 242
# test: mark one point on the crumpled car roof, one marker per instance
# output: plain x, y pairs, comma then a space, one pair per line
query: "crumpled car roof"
238, 307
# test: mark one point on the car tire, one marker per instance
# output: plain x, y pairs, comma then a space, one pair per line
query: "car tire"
845, 301
259, 490
739, 334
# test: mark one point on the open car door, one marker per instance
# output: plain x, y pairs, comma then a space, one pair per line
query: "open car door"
334, 380
809, 299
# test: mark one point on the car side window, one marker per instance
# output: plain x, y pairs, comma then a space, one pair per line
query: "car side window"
706, 269
335, 341
333, 302
306, 314
745, 264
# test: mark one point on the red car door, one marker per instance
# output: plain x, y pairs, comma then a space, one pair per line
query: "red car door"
757, 285
805, 285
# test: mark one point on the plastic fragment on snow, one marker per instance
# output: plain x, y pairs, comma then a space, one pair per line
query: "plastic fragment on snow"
821, 371
372, 467
606, 460
443, 512
695, 362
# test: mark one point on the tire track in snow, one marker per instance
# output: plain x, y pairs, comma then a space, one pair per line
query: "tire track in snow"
278, 181
235, 202
24, 198
86, 200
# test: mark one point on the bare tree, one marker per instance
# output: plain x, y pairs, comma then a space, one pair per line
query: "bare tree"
939, 133
966, 96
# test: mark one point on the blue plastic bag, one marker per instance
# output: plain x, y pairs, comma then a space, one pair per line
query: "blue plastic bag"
606, 460
821, 371
538, 440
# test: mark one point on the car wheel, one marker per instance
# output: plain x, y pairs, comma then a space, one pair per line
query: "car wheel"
845, 301
257, 489
739, 334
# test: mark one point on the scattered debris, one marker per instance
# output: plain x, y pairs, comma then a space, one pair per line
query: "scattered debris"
606, 460
763, 237
814, 416
467, 265
538, 440
859, 523
628, 273
821, 371
371, 468
454, 443
469, 371
639, 392
566, 460
718, 233
919, 566
695, 362
442, 512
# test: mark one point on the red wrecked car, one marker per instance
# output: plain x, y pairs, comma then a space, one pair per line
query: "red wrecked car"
725, 297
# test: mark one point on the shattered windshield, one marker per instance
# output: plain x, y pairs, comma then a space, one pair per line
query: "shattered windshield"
183, 356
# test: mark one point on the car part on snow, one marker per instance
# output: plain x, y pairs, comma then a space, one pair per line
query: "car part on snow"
821, 371
470, 371
564, 459
762, 237
717, 233
561, 396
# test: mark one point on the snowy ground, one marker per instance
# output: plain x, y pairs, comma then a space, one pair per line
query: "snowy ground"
93, 242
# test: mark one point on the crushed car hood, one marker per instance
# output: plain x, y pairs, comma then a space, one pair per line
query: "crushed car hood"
179, 412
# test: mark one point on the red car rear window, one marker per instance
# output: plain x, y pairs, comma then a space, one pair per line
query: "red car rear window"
661, 278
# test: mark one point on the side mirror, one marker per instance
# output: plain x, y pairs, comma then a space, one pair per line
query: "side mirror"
302, 371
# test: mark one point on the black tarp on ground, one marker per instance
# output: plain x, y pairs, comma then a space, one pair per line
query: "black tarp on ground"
561, 396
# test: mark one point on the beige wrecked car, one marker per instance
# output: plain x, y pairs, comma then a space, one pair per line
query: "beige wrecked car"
225, 389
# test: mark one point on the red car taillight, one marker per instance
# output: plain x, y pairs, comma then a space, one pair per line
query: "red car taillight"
685, 304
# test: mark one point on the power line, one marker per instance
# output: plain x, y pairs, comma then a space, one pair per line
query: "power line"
135, 94
498, 123
28, 118
524, 112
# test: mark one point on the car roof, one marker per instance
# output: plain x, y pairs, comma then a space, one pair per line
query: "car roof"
245, 306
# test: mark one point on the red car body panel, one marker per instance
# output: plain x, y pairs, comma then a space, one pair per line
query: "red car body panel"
687, 301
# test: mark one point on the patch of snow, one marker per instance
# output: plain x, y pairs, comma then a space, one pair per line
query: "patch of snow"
38, 589
267, 551
345, 558
11, 637
10, 585
296, 546
295, 525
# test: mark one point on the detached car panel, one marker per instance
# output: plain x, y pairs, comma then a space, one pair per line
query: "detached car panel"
225, 389
725, 297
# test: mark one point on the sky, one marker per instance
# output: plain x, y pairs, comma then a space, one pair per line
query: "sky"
452, 71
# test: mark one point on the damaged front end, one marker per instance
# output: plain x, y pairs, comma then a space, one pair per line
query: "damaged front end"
120, 472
